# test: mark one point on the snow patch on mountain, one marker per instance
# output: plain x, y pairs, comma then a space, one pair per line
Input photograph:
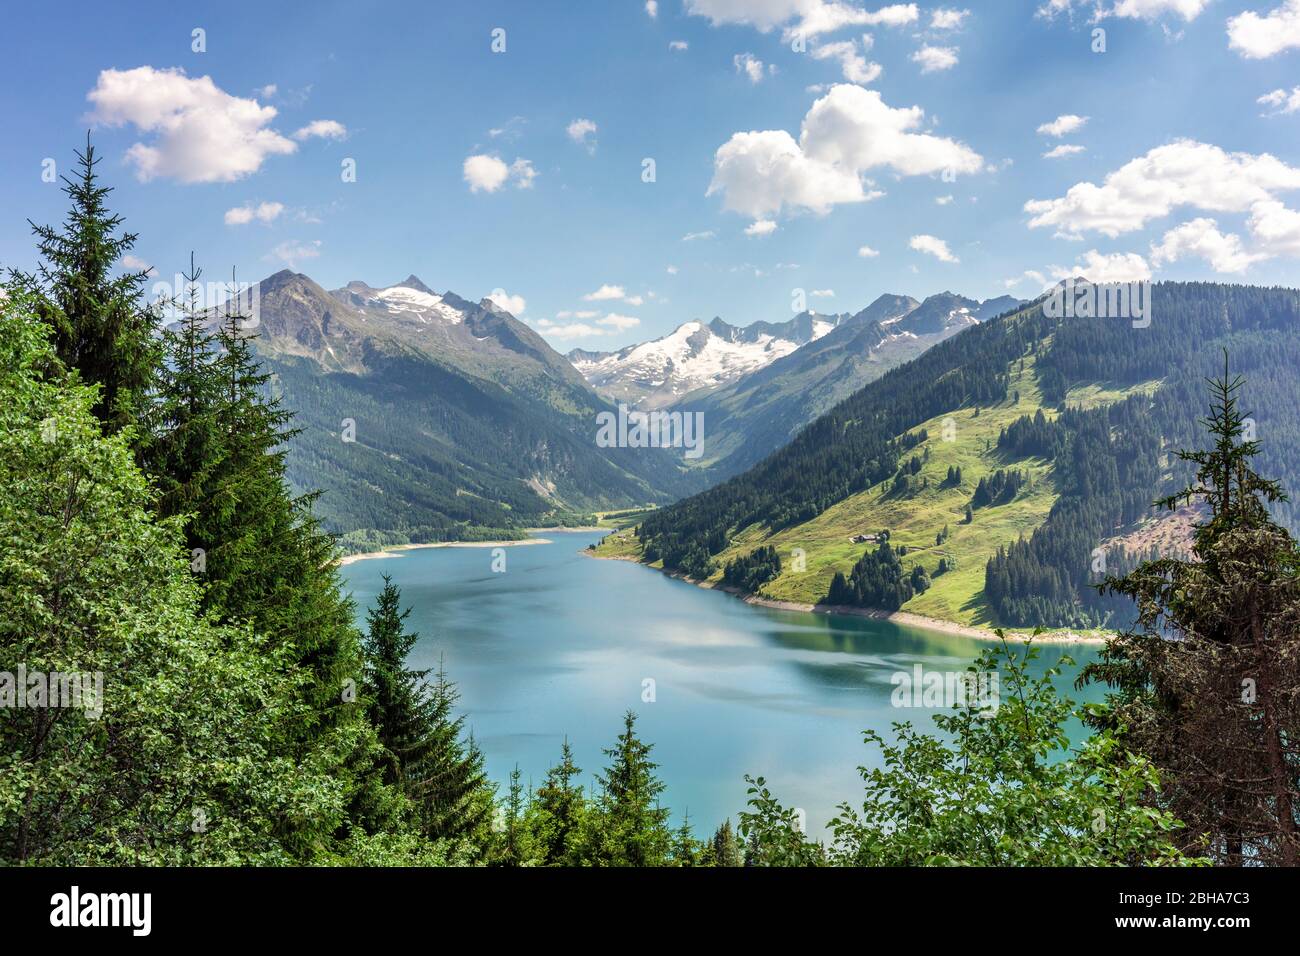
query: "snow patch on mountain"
422, 305
698, 357
407, 301
695, 356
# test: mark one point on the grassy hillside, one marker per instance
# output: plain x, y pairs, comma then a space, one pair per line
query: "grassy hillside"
914, 520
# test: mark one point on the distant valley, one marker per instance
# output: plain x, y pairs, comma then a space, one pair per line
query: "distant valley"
424, 416
427, 417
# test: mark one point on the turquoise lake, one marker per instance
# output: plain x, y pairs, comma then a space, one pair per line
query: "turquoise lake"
561, 644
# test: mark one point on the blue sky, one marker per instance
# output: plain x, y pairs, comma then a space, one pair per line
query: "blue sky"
924, 129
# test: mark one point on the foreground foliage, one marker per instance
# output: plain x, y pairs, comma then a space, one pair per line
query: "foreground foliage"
1003, 792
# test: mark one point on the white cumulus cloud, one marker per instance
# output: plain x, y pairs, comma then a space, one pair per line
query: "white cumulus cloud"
1282, 101
583, 132
1151, 9
514, 304
621, 322
855, 67
1064, 150
1126, 9
846, 133
1114, 267
806, 18
322, 129
1259, 37
933, 246
943, 19
1201, 238
933, 59
605, 293
198, 133
486, 173
750, 66
522, 173
573, 330
1275, 228
1183, 173
1063, 125
262, 212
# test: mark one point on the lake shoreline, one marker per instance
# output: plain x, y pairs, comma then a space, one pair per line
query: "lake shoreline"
905, 618
396, 550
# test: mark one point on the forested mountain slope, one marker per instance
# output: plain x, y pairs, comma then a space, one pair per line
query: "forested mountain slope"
1055, 433
427, 417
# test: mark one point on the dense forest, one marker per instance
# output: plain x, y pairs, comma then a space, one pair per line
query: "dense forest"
397, 484
878, 580
1112, 463
751, 571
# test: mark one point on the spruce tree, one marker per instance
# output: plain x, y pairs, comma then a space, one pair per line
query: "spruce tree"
215, 448
514, 852
725, 848
560, 810
686, 849
1207, 681
632, 827
184, 442
422, 738
101, 328
396, 706
268, 559
448, 780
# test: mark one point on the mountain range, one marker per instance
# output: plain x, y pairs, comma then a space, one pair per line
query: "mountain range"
751, 417
1000, 443
1012, 465
425, 416
463, 422
696, 357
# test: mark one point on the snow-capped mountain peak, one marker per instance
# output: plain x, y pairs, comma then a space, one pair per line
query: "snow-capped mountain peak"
695, 356
408, 301
700, 357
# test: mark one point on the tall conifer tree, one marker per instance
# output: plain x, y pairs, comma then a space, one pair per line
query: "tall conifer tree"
427, 756
631, 827
1207, 682
101, 327
560, 812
